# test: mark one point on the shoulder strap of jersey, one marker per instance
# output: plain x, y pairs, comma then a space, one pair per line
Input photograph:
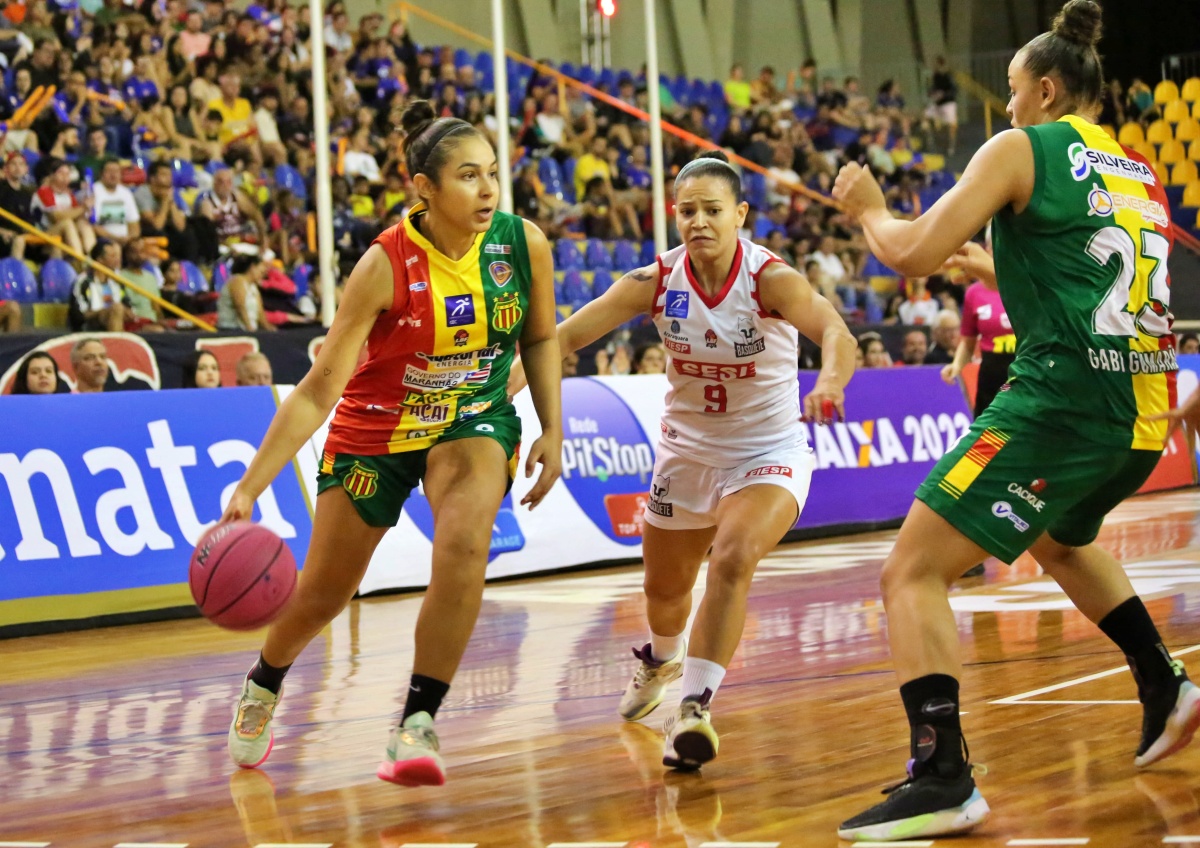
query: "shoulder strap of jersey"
395, 245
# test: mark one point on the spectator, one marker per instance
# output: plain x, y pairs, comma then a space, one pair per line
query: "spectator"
360, 200
763, 93
737, 90
201, 370
943, 102
147, 314
254, 369
17, 200
10, 316
239, 306
163, 213
114, 208
97, 152
593, 164
194, 41
650, 359
337, 33
360, 159
944, 331
237, 118
266, 125
97, 302
916, 346
89, 360
831, 264
235, 216
1189, 343
874, 353
56, 210
37, 375
1112, 104
918, 308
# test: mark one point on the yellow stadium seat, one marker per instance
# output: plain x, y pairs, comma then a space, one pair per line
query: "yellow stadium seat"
934, 161
1165, 92
1197, 224
1183, 173
1131, 134
1175, 111
1158, 132
1196, 110
902, 157
1191, 194
884, 285
1111, 130
1191, 90
1187, 130
1164, 176
1172, 152
1194, 151
1146, 149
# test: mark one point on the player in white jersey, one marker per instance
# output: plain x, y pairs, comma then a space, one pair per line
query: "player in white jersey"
733, 468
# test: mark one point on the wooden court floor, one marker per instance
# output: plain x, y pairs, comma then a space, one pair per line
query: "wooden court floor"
117, 736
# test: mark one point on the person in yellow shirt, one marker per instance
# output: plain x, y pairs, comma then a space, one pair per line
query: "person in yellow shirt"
593, 164
237, 118
737, 90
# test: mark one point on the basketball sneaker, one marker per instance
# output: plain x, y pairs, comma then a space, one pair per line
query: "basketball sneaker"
412, 757
250, 736
691, 741
1170, 716
923, 805
645, 691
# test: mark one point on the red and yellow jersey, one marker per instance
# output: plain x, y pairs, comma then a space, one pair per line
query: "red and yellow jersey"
444, 349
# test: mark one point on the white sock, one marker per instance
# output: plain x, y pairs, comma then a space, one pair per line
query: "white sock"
665, 647
699, 675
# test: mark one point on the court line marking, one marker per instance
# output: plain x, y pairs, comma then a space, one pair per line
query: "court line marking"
1177, 840
911, 843
1024, 697
740, 845
299, 845
587, 844
151, 845
24, 845
1082, 840
405, 845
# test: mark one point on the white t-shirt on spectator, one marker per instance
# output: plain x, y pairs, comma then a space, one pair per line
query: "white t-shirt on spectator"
268, 129
777, 193
830, 264
343, 43
357, 163
919, 312
114, 210
552, 127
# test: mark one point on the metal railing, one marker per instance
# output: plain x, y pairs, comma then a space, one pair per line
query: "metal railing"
1181, 66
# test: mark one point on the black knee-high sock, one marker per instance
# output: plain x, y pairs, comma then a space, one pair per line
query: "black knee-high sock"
1130, 626
936, 732
268, 676
425, 694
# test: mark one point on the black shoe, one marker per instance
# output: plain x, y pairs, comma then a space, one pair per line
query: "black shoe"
975, 571
1170, 716
923, 805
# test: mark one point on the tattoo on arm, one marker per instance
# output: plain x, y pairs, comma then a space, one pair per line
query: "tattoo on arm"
328, 372
642, 276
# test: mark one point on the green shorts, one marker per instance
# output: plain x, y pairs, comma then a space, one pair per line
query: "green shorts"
1009, 480
379, 485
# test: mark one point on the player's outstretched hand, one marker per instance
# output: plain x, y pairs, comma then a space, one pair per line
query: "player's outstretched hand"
240, 508
950, 372
1188, 414
857, 190
974, 261
548, 451
825, 404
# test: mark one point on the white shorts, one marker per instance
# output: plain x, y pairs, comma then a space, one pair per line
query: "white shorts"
946, 113
684, 493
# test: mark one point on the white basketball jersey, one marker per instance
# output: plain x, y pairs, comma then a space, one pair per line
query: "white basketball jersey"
732, 367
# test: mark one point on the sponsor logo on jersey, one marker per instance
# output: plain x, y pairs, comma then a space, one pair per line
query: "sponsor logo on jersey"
411, 261
361, 482
1106, 203
461, 338
672, 334
466, 359
710, 338
473, 409
390, 410
485, 428
417, 434
419, 285
713, 370
416, 378
497, 248
1037, 486
432, 413
678, 347
605, 452
785, 470
406, 321
1003, 509
506, 312
1134, 361
659, 490
1085, 160
501, 273
1024, 494
751, 342
677, 304
460, 310
669, 432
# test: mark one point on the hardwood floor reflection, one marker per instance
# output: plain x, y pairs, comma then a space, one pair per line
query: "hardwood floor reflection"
119, 735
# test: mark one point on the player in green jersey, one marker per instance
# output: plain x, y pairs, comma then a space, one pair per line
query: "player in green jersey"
1081, 243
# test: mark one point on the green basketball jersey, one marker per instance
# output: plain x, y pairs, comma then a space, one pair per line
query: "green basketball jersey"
1083, 275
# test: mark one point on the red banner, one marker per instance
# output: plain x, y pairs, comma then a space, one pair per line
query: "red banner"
1176, 469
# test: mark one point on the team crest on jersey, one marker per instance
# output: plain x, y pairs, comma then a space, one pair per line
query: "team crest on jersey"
660, 489
461, 338
460, 310
677, 304
506, 311
710, 338
751, 342
501, 273
497, 248
361, 482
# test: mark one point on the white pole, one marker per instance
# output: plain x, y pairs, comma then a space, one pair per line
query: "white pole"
500, 75
656, 151
323, 181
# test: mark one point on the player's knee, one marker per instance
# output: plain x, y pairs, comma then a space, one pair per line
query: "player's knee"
732, 563
902, 569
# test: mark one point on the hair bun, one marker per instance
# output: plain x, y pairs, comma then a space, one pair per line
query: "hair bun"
719, 155
1079, 22
417, 117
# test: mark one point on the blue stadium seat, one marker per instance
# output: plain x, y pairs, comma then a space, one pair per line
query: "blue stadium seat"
32, 157
58, 276
569, 69
844, 136
678, 88
648, 257
754, 186
697, 92
587, 75
567, 256
549, 170
716, 92
625, 256
215, 165
483, 61
568, 181
220, 275
596, 256
607, 77
17, 282
462, 57
193, 281
576, 291
288, 177
874, 268
300, 276
602, 281
183, 173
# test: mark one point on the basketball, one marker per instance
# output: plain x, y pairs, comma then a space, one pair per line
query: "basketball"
241, 575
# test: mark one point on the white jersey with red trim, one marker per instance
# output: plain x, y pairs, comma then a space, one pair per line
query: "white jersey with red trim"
732, 367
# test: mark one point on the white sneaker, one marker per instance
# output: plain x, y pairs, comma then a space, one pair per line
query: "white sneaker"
645, 691
250, 735
412, 757
691, 741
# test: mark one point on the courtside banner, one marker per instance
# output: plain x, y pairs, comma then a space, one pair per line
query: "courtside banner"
104, 496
